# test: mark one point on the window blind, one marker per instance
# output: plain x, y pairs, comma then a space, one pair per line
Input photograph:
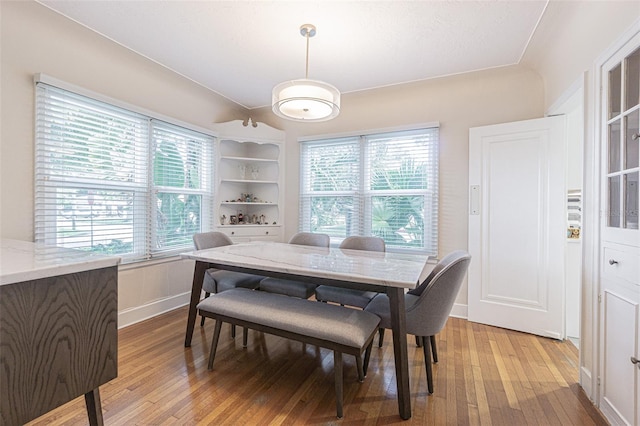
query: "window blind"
182, 186
380, 184
113, 181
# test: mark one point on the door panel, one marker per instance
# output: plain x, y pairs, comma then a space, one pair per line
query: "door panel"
517, 235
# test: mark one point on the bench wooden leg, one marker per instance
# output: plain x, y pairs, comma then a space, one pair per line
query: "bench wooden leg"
367, 356
233, 331
245, 337
381, 338
337, 367
214, 343
360, 368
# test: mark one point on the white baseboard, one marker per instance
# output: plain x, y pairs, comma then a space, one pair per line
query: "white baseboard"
459, 311
611, 414
134, 315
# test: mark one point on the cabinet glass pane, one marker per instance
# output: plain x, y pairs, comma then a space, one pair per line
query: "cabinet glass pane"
631, 200
614, 202
632, 80
615, 91
614, 146
631, 158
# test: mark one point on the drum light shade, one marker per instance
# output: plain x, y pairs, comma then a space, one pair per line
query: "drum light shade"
305, 99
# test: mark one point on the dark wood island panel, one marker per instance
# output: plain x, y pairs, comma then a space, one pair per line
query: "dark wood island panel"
58, 341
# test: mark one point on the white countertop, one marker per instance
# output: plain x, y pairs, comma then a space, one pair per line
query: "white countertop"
24, 261
388, 269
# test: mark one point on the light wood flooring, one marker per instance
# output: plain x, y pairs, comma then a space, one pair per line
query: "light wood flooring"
485, 375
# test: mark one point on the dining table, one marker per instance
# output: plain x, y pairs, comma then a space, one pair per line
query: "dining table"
384, 272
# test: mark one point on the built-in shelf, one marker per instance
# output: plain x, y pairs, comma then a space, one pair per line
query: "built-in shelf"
249, 165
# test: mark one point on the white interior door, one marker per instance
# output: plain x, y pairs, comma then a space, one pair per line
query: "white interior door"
517, 225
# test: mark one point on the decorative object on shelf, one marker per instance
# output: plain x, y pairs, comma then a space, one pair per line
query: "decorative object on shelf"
263, 219
304, 99
233, 220
242, 171
240, 218
223, 219
246, 122
255, 172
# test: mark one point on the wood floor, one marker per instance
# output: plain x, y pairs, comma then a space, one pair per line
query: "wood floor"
485, 376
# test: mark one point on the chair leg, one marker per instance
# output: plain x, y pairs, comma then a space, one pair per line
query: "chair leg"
433, 348
427, 364
214, 343
245, 337
360, 368
201, 316
337, 367
418, 341
367, 356
381, 336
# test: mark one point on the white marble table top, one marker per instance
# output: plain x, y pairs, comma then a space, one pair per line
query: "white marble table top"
386, 269
24, 261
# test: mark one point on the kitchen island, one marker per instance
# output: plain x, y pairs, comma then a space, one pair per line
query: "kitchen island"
58, 329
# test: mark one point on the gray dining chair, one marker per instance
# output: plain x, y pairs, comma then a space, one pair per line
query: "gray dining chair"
218, 280
429, 305
295, 288
348, 296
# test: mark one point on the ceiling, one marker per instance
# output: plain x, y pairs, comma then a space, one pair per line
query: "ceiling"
241, 49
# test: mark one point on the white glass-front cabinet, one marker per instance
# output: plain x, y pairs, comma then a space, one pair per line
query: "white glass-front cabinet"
620, 239
249, 176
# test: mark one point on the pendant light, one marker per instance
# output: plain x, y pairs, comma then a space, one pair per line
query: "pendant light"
305, 99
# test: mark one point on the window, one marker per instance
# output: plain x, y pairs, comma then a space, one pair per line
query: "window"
381, 184
113, 181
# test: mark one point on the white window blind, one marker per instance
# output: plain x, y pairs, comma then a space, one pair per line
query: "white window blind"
101, 181
383, 184
182, 185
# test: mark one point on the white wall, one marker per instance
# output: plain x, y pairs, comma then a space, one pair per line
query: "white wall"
35, 39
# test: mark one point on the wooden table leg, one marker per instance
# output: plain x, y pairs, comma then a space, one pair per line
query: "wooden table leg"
94, 407
399, 331
196, 291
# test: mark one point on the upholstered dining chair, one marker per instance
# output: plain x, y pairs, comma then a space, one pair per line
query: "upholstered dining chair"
429, 305
218, 280
347, 296
291, 287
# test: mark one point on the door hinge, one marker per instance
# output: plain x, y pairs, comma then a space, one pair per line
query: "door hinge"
599, 298
598, 381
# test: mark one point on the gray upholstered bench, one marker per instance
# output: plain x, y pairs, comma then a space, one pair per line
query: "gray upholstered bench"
340, 329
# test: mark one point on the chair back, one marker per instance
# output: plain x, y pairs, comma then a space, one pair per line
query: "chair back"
435, 271
428, 315
206, 240
310, 239
363, 243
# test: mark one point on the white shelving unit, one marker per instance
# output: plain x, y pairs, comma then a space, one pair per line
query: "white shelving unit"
249, 181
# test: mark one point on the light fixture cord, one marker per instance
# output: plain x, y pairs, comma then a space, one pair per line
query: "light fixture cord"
306, 73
